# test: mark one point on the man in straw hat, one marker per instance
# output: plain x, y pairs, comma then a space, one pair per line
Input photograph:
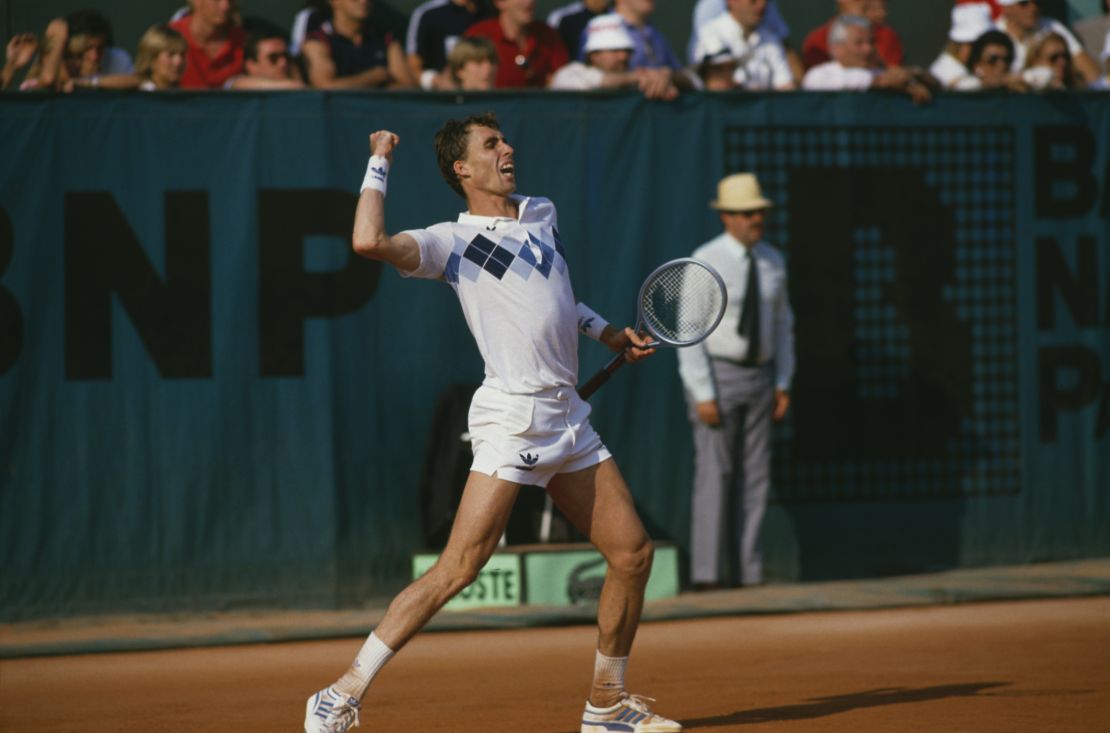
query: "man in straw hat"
737, 381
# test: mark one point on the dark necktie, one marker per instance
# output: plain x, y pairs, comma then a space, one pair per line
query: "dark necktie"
749, 317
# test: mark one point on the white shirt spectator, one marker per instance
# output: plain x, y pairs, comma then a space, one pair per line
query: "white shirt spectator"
831, 76
761, 59
948, 70
1045, 26
708, 10
577, 76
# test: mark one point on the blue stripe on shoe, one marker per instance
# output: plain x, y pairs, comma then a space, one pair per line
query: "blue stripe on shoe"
610, 726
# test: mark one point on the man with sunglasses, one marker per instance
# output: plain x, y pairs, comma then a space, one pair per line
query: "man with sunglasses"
737, 382
989, 63
1022, 21
267, 64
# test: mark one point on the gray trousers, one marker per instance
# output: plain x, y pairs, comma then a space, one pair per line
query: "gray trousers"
720, 518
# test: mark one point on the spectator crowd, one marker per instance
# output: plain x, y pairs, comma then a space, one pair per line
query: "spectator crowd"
591, 44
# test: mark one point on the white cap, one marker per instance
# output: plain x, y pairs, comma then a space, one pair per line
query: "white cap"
607, 33
969, 21
1008, 2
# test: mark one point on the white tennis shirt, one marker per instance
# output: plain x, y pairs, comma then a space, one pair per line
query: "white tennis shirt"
512, 281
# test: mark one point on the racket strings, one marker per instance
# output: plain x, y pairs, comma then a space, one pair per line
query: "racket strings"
682, 303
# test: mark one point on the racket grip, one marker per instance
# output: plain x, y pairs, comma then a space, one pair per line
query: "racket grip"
602, 376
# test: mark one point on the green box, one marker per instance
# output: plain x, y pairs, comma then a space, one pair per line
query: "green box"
500, 583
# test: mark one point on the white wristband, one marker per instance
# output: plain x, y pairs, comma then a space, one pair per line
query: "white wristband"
377, 171
589, 322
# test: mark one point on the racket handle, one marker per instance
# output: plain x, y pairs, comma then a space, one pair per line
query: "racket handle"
587, 389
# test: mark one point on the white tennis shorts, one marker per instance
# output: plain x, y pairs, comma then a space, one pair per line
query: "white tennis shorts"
528, 439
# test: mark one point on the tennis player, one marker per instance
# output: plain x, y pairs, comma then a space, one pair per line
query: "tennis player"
504, 259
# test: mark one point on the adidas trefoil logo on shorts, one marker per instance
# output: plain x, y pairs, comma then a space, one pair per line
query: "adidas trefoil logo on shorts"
530, 461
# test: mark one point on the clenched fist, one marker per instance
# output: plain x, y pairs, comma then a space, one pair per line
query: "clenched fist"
382, 143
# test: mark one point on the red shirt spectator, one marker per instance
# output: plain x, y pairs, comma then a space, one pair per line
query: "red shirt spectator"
815, 49
527, 65
210, 72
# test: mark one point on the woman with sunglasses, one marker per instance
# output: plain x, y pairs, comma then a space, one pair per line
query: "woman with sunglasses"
989, 63
1050, 65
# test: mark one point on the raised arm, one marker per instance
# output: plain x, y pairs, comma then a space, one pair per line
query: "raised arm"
21, 49
370, 239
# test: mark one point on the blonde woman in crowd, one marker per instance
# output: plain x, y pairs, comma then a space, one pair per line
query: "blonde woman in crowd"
1050, 65
471, 66
160, 61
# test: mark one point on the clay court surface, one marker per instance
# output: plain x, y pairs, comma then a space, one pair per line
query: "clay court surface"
1006, 667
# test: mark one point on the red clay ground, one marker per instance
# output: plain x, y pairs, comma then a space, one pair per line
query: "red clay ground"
994, 667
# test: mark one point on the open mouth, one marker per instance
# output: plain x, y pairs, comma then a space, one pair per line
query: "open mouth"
507, 169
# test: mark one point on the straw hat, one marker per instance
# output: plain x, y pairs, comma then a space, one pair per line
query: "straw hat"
739, 192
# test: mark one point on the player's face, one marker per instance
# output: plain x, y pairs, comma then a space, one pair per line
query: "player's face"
745, 226
489, 163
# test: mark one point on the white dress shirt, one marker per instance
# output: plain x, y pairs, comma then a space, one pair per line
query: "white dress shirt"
707, 10
776, 319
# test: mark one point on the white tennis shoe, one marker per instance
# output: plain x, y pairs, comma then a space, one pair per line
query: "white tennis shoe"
630, 715
330, 711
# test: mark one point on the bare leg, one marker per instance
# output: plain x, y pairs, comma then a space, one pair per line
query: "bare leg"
597, 501
479, 523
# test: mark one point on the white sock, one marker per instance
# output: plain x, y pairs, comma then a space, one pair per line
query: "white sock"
371, 658
609, 674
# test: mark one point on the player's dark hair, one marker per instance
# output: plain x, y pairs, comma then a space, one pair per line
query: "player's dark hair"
451, 142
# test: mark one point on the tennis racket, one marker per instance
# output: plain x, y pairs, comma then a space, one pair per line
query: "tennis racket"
680, 304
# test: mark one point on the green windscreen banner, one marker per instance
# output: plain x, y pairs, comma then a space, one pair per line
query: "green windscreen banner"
207, 400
